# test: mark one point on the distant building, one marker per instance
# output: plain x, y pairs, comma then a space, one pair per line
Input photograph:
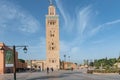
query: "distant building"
68, 65
36, 64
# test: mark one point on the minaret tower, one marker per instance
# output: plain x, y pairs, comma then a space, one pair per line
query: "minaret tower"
52, 38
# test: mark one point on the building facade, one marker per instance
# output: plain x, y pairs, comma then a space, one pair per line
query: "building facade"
36, 64
68, 65
7, 60
2, 61
52, 38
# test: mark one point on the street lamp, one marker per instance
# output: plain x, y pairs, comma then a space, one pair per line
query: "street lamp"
64, 61
25, 49
14, 55
69, 58
64, 58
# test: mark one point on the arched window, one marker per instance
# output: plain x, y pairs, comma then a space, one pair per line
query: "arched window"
52, 43
52, 61
52, 48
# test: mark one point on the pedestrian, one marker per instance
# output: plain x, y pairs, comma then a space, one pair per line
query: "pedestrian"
72, 69
52, 69
39, 68
47, 70
119, 72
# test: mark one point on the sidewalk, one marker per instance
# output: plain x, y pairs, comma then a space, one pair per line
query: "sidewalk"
20, 76
6, 76
29, 75
60, 75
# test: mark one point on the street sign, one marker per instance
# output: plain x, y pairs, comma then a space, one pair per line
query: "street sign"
9, 58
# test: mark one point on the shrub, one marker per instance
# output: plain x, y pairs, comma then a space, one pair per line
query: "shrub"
90, 71
107, 71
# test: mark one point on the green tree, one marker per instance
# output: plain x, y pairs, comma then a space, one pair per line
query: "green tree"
91, 64
21, 60
105, 63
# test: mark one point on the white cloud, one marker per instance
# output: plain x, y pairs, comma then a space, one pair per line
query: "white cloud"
11, 16
113, 22
83, 19
68, 21
98, 41
107, 24
84, 28
79, 23
83, 22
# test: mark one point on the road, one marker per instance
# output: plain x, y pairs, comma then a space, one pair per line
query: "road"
61, 75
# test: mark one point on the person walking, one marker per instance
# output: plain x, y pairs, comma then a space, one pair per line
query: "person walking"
52, 69
119, 72
47, 70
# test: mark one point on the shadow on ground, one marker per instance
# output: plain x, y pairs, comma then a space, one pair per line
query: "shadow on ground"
55, 76
48, 77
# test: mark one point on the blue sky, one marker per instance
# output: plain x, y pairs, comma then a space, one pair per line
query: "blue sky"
89, 29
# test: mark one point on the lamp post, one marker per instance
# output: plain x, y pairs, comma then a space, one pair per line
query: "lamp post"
64, 61
69, 58
31, 65
64, 58
14, 55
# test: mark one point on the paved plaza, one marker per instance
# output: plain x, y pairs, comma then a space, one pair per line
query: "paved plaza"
61, 75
